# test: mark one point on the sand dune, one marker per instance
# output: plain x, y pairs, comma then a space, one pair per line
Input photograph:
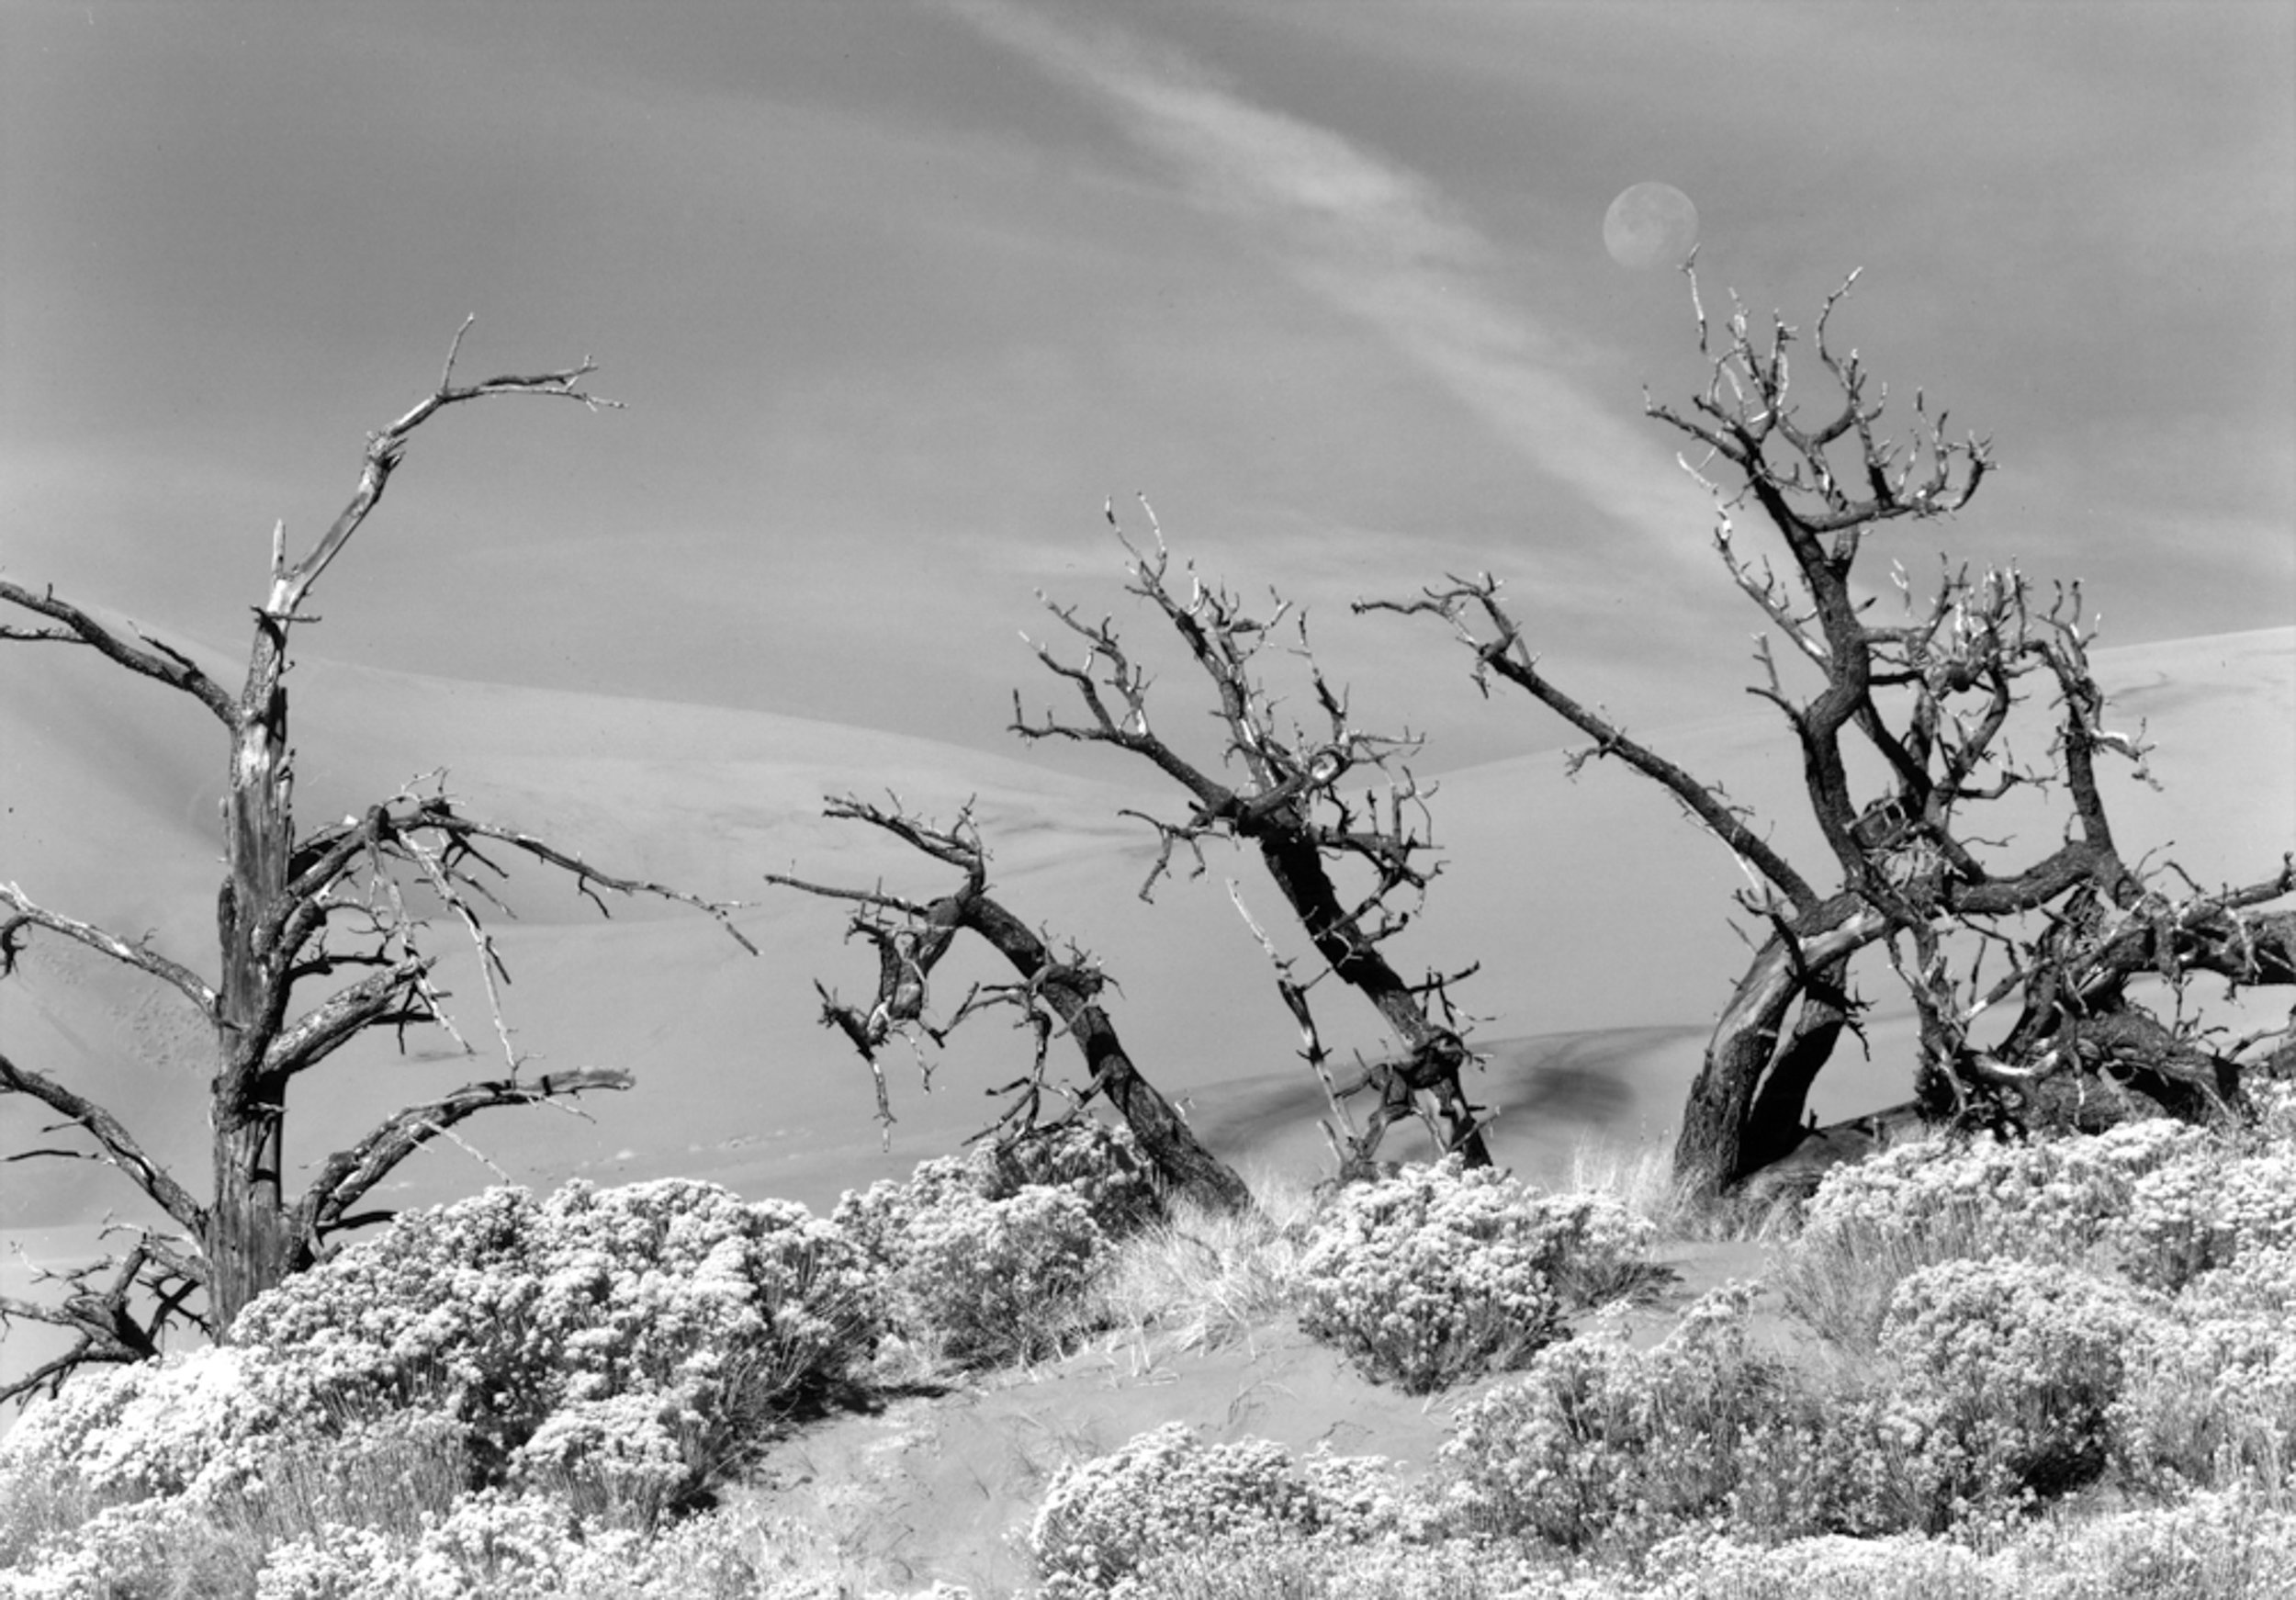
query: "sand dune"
1601, 918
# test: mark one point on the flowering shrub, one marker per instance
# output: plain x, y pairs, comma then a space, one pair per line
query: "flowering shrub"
2062, 1199
2212, 1396
527, 1546
999, 1281
619, 1455
2053, 1196
988, 1254
1710, 1564
130, 1549
1164, 1491
2210, 1548
1358, 1500
1101, 1163
1598, 1444
710, 1316
199, 1423
607, 1355
492, 1544
1440, 1273
878, 1220
2011, 1372
1288, 1563
2188, 1217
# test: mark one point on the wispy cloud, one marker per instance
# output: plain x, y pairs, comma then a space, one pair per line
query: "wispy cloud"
1372, 239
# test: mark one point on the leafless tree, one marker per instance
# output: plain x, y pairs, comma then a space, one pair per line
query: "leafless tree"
1933, 691
1053, 994
1280, 791
334, 912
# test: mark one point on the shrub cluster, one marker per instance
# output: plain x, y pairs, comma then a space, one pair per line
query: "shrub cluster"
524, 1396
2181, 1316
987, 1256
1107, 1522
2011, 1372
476, 1379
1599, 1444
2020, 1323
1440, 1273
2061, 1199
638, 1340
2159, 1202
1171, 1518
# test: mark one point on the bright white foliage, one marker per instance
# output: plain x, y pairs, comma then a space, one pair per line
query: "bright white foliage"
1443, 1272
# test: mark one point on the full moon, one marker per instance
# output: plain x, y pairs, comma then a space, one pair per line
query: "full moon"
1650, 225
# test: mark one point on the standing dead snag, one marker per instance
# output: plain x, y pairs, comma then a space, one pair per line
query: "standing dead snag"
296, 912
1052, 993
1931, 696
1289, 807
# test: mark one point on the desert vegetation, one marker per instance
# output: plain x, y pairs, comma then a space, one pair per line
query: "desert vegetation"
2058, 1367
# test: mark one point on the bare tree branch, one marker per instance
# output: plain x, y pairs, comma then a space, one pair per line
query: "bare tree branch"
290, 584
138, 955
1054, 994
109, 1328
148, 658
347, 1175
120, 1147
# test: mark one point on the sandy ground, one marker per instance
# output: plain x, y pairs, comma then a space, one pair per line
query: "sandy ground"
944, 1486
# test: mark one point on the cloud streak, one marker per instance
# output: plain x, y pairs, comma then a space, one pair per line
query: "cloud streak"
1376, 241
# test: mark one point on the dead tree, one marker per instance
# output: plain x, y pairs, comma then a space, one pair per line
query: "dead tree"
1931, 693
1053, 994
316, 944
1285, 800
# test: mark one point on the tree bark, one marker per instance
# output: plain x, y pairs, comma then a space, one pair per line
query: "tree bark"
1164, 1135
1730, 1125
908, 955
1433, 1055
247, 1242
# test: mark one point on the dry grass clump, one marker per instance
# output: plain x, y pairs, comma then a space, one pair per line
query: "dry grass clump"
1640, 1177
1201, 1277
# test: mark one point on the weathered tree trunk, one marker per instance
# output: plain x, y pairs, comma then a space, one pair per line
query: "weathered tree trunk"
1069, 989
247, 1243
1745, 1108
1781, 1106
1164, 1135
1433, 1055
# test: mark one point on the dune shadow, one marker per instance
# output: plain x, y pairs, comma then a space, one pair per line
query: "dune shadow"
1602, 1082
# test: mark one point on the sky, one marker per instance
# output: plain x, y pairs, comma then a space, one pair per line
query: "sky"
895, 297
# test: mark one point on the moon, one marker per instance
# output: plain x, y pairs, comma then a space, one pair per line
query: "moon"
1649, 225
